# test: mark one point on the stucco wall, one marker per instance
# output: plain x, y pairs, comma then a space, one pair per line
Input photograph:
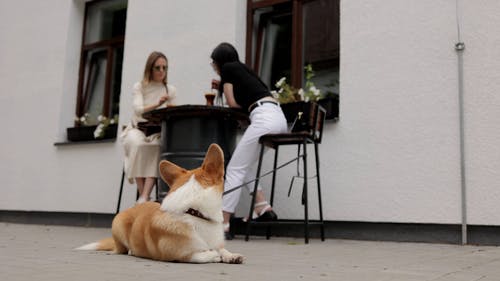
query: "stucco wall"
398, 134
392, 157
39, 73
482, 110
395, 151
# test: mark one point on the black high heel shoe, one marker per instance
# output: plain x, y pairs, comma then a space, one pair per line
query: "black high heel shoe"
266, 214
228, 235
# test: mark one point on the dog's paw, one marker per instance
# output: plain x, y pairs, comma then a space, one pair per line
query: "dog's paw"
205, 257
217, 259
233, 258
228, 257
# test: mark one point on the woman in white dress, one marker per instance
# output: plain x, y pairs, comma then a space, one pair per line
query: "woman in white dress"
142, 150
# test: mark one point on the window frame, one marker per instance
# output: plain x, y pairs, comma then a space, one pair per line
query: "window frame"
296, 68
110, 45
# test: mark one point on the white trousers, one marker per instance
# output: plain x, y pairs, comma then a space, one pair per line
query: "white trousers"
265, 119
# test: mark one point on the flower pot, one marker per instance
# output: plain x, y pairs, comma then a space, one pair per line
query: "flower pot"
299, 114
330, 104
86, 133
291, 109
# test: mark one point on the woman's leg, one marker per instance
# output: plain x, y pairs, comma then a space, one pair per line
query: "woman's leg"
149, 183
236, 172
260, 197
140, 184
141, 159
263, 121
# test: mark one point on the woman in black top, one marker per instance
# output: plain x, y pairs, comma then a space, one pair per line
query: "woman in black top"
244, 89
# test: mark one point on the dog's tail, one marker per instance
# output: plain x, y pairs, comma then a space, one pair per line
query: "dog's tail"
107, 244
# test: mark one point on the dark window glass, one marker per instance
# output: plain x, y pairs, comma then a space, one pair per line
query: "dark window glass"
321, 43
313, 26
272, 37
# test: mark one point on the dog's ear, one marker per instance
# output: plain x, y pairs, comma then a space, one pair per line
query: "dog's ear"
169, 172
214, 162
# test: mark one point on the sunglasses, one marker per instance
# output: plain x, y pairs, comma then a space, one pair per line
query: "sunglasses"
160, 67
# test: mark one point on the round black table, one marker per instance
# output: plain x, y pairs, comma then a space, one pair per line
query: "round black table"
188, 130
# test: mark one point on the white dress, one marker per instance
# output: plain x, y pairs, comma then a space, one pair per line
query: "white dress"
142, 153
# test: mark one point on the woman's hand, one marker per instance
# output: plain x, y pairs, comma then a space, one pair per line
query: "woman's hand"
215, 84
163, 99
154, 106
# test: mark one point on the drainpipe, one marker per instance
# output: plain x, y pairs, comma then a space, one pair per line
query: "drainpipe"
459, 48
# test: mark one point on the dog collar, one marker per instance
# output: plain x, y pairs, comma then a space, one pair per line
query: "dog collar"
197, 214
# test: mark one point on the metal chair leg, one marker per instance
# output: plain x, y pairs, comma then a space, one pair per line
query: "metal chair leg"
320, 204
304, 196
249, 220
274, 175
120, 193
157, 188
268, 231
298, 172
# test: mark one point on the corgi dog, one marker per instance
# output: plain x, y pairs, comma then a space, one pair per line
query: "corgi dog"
186, 227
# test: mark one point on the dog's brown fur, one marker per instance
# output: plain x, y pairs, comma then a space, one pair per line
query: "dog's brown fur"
167, 232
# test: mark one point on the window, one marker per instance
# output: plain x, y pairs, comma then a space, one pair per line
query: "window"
101, 59
283, 36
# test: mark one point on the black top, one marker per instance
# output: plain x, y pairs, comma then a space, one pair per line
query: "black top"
247, 86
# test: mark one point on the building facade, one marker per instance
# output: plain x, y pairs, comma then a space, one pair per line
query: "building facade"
393, 156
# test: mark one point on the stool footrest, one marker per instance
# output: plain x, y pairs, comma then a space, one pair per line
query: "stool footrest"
311, 135
285, 222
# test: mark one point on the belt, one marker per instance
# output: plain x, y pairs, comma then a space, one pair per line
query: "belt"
259, 103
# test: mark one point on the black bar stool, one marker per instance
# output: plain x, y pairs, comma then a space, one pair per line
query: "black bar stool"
307, 129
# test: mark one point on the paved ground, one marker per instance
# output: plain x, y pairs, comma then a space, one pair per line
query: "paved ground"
40, 252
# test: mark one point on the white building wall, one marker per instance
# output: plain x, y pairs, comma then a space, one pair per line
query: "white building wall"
393, 156
398, 134
40, 54
395, 152
482, 110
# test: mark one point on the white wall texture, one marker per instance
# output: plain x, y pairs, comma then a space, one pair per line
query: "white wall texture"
39, 58
392, 157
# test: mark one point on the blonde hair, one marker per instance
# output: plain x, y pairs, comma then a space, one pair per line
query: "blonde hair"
150, 62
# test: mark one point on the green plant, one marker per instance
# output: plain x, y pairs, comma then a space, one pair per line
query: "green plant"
82, 120
103, 125
286, 93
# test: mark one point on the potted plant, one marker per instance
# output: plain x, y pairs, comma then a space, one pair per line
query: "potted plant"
294, 100
106, 128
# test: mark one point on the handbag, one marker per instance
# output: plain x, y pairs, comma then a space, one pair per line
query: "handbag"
149, 128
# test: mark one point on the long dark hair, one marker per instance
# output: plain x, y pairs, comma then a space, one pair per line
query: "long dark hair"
224, 53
